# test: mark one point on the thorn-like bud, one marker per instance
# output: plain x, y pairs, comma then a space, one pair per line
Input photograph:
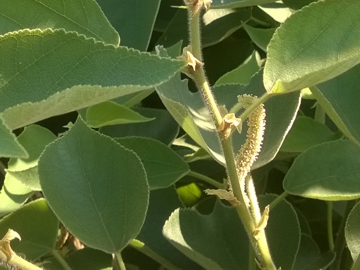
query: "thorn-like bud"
223, 194
227, 124
263, 221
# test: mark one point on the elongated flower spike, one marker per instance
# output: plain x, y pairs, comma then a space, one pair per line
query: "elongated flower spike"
254, 137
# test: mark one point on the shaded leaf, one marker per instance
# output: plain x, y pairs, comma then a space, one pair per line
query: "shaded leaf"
163, 128
340, 98
162, 165
37, 226
323, 262
71, 15
282, 232
226, 240
133, 19
305, 133
261, 37
55, 72
308, 252
328, 171
315, 44
352, 231
96, 187
110, 113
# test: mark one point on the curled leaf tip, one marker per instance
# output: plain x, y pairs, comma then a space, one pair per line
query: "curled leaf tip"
223, 194
5, 243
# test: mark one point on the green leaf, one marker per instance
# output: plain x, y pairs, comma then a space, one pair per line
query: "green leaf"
190, 112
54, 72
37, 226
163, 128
216, 25
322, 262
13, 195
282, 232
305, 133
96, 187
162, 204
238, 3
242, 74
297, 4
71, 15
352, 231
34, 138
328, 171
315, 44
133, 19
339, 98
308, 252
9, 145
261, 37
162, 165
216, 241
110, 113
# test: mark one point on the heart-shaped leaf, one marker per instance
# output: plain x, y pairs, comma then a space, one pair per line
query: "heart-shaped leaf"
96, 187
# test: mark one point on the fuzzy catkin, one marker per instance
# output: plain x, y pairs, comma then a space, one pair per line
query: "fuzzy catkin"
252, 146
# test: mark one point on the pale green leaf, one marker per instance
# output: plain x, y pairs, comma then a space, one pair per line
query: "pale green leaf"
13, 195
315, 44
110, 113
261, 37
329, 171
83, 17
55, 72
37, 226
96, 187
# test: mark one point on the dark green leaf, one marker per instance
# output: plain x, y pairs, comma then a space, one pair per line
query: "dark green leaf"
110, 113
308, 252
329, 171
238, 3
162, 165
163, 128
304, 134
352, 231
133, 19
96, 187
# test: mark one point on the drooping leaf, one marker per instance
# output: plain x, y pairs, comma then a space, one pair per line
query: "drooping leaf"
306, 133
238, 3
339, 98
282, 232
162, 165
242, 74
110, 113
133, 19
37, 226
55, 72
261, 37
315, 44
163, 128
9, 145
352, 232
190, 112
71, 15
96, 187
328, 171
226, 243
